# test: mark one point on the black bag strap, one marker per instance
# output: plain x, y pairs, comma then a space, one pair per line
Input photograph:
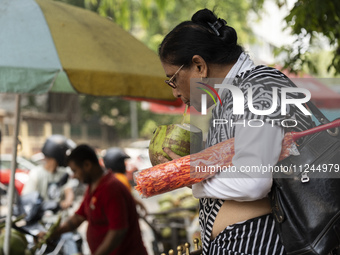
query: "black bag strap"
317, 113
322, 119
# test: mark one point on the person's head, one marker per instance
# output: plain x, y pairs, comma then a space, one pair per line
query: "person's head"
84, 163
55, 150
114, 159
197, 49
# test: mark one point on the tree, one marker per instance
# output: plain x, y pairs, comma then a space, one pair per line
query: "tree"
149, 21
312, 23
115, 112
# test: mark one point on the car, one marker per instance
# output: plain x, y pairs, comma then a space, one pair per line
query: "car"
21, 173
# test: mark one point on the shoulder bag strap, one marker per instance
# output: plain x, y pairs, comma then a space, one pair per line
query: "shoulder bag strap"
317, 113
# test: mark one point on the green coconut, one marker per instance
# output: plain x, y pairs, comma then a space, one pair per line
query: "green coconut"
181, 139
18, 243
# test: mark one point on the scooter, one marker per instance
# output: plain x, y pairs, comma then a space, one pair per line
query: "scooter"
41, 216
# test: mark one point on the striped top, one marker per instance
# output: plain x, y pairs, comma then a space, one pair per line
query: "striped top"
255, 236
262, 80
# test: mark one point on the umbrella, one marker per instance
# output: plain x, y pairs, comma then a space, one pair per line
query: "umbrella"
181, 172
45, 42
51, 46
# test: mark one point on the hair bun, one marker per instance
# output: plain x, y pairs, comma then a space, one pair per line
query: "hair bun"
228, 35
218, 26
197, 37
202, 17
219, 23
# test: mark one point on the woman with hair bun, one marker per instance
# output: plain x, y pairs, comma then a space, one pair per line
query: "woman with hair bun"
235, 213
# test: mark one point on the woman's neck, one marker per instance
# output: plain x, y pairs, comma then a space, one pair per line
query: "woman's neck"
219, 71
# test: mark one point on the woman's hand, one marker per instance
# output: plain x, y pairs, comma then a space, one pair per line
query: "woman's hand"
170, 153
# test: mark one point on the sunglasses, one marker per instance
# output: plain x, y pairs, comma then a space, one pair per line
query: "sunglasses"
170, 82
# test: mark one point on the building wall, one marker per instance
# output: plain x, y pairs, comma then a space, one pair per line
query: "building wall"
33, 134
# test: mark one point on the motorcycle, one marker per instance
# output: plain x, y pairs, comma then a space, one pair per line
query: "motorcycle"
44, 216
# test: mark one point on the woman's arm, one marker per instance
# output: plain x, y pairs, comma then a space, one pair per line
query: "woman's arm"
255, 149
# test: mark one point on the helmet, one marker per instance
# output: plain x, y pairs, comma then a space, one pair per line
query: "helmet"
57, 147
114, 159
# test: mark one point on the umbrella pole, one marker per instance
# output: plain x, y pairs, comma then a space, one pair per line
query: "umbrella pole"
10, 192
134, 119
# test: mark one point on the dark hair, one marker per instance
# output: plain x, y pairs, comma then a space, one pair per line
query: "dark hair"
82, 153
205, 35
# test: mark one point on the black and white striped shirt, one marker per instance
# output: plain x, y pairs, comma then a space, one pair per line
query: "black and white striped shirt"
261, 79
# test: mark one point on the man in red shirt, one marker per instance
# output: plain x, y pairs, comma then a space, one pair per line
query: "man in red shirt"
108, 207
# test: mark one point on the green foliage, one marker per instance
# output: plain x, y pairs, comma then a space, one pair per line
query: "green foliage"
148, 121
322, 60
115, 112
150, 21
312, 21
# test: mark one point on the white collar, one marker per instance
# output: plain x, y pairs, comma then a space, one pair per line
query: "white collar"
243, 64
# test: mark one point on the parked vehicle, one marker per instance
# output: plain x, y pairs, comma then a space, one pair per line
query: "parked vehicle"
40, 215
21, 174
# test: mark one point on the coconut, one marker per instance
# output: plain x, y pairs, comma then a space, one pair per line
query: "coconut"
18, 243
182, 139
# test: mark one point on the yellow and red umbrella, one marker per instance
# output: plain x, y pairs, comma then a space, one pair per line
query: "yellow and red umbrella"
52, 46
48, 46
